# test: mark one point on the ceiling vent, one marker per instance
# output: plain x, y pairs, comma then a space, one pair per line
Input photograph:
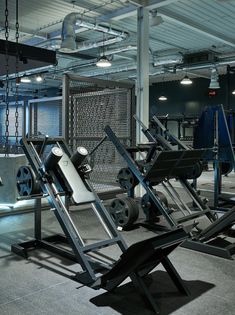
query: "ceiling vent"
200, 57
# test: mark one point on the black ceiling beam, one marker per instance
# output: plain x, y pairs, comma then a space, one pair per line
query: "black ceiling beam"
30, 57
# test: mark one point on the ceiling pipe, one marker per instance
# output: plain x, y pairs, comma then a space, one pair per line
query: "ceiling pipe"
157, 72
120, 49
207, 65
168, 60
110, 70
179, 68
122, 70
69, 45
86, 45
132, 67
158, 61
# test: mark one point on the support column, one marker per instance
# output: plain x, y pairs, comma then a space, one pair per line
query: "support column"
65, 108
142, 84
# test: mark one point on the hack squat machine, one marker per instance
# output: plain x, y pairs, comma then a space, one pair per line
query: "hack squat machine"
163, 158
53, 172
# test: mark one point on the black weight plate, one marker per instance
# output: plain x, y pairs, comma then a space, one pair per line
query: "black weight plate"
124, 212
26, 182
150, 209
126, 178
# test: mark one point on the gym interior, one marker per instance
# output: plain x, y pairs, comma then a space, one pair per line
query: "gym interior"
117, 135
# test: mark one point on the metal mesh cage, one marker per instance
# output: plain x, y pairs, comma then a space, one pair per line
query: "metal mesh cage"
94, 104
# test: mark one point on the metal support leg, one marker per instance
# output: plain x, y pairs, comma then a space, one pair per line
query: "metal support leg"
174, 275
217, 183
144, 291
38, 219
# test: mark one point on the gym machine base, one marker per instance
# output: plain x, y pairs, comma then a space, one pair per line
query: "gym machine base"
54, 172
160, 167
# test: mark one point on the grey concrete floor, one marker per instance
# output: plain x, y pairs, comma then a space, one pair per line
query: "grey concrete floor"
42, 284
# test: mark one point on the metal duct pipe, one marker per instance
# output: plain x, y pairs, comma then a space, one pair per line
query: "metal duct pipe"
167, 60
180, 68
120, 49
68, 35
164, 60
91, 44
121, 69
109, 71
131, 67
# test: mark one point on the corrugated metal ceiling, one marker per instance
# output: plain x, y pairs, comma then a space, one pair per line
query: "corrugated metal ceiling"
189, 26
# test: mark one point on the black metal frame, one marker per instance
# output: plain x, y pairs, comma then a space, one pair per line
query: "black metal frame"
61, 212
145, 179
31, 57
140, 259
224, 223
136, 261
181, 127
163, 167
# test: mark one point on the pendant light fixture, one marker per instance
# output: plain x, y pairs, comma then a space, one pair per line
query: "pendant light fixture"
186, 80
39, 78
162, 98
103, 61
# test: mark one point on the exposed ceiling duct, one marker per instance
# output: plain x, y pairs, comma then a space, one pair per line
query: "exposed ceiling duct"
168, 60
110, 70
158, 61
69, 45
200, 57
86, 45
120, 49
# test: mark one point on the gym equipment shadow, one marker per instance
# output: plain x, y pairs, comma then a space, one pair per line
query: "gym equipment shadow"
162, 289
159, 282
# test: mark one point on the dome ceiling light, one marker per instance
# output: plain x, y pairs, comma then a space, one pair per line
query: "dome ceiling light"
186, 80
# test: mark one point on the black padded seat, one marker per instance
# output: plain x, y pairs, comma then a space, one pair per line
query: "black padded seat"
172, 164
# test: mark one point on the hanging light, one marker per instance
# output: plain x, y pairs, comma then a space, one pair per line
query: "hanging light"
25, 80
233, 92
214, 82
103, 62
39, 78
162, 98
186, 80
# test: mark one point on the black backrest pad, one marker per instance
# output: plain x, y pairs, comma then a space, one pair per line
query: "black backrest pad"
170, 164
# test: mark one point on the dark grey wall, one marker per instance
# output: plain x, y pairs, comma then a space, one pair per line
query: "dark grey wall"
189, 100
